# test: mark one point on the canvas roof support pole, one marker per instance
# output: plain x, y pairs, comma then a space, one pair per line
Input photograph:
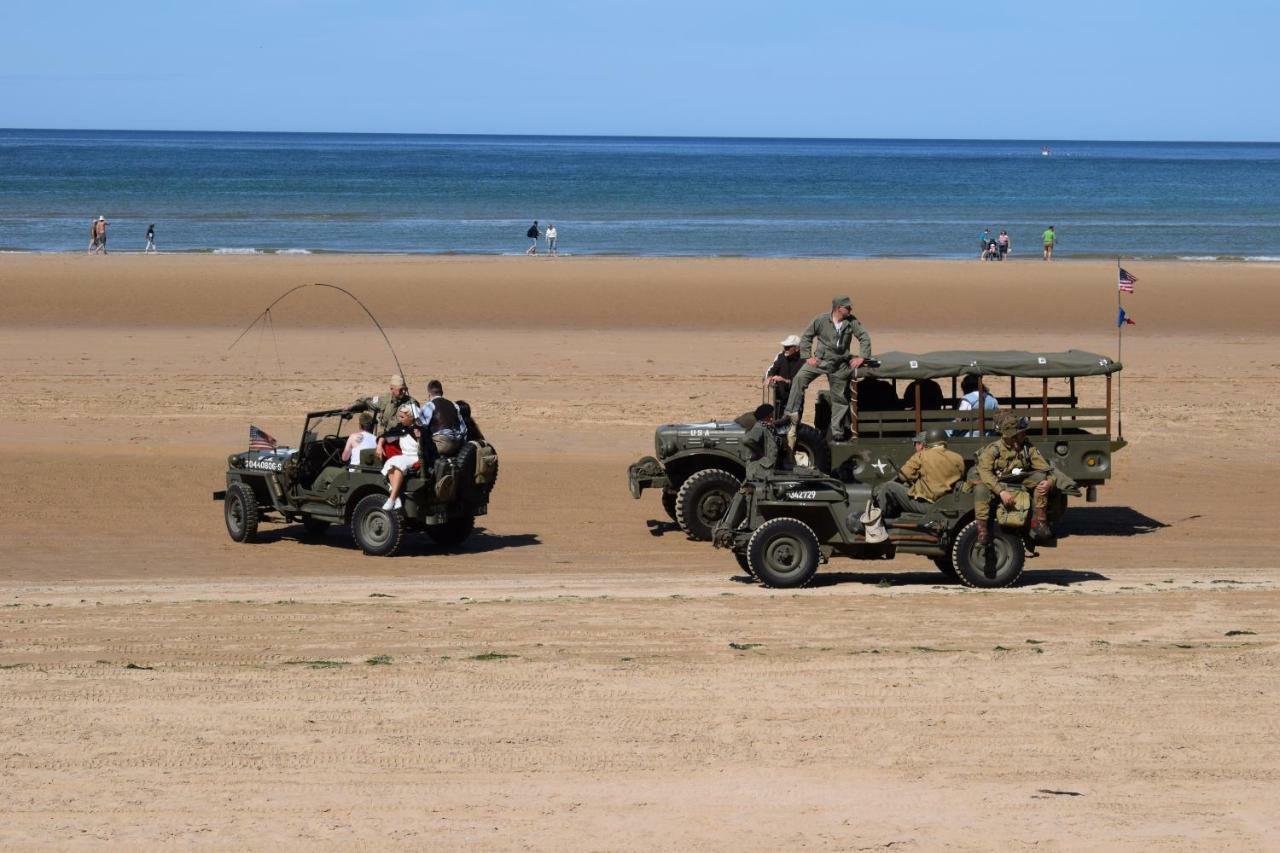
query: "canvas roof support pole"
1013, 392
1044, 406
919, 419
1074, 401
853, 407
953, 390
982, 406
1108, 405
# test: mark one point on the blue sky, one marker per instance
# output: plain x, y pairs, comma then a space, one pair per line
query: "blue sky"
1074, 70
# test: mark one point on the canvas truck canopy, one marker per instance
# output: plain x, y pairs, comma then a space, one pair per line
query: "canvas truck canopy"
934, 365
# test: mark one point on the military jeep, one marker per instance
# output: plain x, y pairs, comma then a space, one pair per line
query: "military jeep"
782, 526
698, 467
312, 485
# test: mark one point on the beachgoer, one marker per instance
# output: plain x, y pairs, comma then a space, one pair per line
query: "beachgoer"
1011, 455
1050, 238
830, 336
551, 236
98, 236
783, 371
151, 239
406, 433
532, 234
984, 243
1003, 242
929, 474
360, 440
384, 408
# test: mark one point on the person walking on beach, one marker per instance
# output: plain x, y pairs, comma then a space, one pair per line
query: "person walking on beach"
1003, 243
984, 243
98, 236
551, 239
532, 234
1050, 239
151, 239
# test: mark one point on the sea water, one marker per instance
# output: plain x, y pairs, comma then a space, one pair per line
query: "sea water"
268, 192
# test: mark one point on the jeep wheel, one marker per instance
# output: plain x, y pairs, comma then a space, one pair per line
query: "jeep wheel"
315, 526
811, 450
945, 565
669, 504
999, 564
453, 532
240, 508
703, 500
783, 552
377, 531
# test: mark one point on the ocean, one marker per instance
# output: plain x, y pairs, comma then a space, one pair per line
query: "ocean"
430, 194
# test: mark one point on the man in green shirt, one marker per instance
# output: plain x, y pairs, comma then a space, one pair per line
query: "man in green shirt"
1050, 237
830, 336
384, 406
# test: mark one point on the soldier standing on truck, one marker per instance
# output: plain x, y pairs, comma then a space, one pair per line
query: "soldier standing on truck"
384, 406
928, 475
1011, 455
830, 336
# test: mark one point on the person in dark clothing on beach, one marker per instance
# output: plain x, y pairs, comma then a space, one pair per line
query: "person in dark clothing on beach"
151, 239
532, 234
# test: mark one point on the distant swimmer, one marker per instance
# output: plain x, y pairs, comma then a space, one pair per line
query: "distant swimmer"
532, 234
1050, 240
151, 239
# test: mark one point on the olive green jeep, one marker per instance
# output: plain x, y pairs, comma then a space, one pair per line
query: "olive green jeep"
312, 485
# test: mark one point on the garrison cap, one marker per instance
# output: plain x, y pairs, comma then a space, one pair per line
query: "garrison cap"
841, 302
398, 380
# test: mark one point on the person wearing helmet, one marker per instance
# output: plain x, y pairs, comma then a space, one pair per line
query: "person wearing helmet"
1011, 456
830, 335
930, 473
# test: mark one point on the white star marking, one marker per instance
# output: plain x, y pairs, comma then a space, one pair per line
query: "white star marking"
880, 466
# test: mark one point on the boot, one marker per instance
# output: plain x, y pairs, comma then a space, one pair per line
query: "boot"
984, 533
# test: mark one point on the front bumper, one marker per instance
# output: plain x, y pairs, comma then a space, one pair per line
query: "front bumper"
645, 473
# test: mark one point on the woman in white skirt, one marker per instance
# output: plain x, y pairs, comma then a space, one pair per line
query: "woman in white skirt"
396, 469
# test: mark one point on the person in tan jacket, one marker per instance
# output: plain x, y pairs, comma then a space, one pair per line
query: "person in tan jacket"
930, 473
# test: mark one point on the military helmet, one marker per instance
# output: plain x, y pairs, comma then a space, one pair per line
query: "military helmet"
1010, 424
934, 436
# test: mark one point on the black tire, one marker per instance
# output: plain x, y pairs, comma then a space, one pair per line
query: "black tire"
377, 531
669, 504
315, 526
703, 500
1001, 565
453, 532
810, 443
744, 563
946, 565
783, 553
240, 511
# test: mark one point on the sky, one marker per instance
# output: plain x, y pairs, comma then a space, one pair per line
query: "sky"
929, 69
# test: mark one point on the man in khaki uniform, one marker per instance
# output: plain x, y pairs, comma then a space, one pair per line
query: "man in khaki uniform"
1011, 455
384, 406
928, 475
830, 336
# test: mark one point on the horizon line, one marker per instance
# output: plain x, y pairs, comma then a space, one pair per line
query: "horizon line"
1029, 140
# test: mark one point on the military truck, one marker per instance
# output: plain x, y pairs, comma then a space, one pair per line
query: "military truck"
780, 527
698, 467
312, 485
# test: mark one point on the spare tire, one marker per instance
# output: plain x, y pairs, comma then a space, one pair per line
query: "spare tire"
703, 499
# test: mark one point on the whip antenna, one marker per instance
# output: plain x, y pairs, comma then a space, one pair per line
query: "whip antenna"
266, 313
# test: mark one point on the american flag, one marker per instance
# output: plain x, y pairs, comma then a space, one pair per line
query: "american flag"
260, 439
1127, 280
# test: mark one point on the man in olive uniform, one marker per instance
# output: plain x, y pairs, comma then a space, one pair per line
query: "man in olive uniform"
1011, 455
759, 441
384, 406
929, 474
830, 336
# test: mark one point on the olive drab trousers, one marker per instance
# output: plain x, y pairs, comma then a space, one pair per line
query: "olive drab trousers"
983, 498
838, 376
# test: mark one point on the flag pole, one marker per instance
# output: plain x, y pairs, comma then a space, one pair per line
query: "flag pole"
1119, 351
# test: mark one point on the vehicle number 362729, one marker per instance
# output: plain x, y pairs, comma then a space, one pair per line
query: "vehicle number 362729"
801, 496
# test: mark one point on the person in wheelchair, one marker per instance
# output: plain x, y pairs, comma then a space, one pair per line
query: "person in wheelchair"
1003, 462
930, 473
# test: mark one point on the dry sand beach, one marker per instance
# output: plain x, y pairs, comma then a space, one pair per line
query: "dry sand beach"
567, 681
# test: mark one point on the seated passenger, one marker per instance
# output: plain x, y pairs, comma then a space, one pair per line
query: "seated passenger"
877, 395
360, 440
928, 475
473, 429
780, 374
971, 385
443, 421
407, 434
931, 398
